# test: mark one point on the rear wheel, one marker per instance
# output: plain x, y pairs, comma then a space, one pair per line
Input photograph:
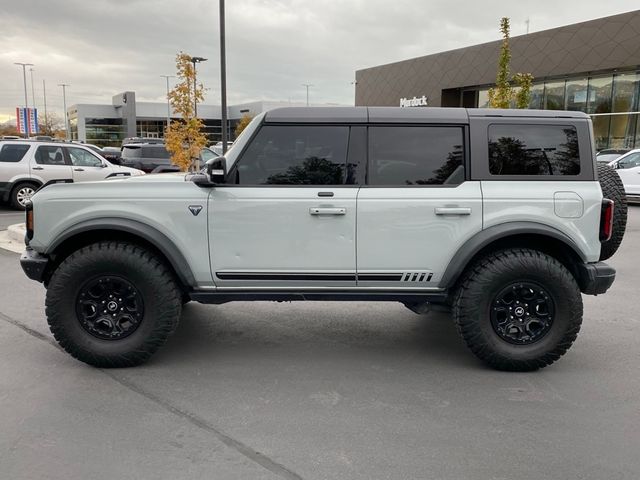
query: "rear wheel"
613, 189
112, 304
518, 309
21, 194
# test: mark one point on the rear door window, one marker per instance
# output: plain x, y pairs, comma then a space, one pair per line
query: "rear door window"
13, 153
533, 150
416, 155
50, 155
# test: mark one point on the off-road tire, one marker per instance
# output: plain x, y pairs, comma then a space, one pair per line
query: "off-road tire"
15, 194
153, 280
477, 291
613, 189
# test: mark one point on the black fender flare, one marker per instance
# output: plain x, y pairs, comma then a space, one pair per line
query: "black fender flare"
497, 232
133, 227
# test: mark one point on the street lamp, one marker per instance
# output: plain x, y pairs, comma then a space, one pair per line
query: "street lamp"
167, 77
26, 101
195, 60
64, 103
223, 79
307, 85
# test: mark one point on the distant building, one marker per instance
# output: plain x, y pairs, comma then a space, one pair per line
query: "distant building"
592, 66
108, 125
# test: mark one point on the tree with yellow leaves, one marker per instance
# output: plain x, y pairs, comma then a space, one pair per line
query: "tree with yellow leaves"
242, 124
184, 137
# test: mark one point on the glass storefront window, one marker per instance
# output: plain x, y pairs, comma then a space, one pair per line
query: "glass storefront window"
537, 96
625, 92
601, 131
623, 131
483, 98
554, 95
576, 97
600, 94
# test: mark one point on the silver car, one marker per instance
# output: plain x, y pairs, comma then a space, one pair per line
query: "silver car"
26, 166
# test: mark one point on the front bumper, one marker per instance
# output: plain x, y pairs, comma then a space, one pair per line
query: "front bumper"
595, 278
34, 264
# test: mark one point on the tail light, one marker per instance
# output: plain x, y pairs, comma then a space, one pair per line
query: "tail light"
29, 221
606, 220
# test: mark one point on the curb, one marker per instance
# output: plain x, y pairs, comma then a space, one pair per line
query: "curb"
12, 239
17, 232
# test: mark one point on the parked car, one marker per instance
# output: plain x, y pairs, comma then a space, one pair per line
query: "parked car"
148, 157
610, 154
217, 148
501, 215
130, 140
26, 166
112, 154
628, 168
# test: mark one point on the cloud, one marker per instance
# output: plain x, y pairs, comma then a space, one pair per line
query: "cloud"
104, 47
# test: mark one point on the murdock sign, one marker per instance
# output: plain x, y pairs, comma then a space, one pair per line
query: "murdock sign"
414, 102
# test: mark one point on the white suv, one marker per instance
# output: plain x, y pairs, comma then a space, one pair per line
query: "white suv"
26, 166
500, 215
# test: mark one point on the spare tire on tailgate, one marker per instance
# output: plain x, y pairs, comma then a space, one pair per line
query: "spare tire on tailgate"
613, 189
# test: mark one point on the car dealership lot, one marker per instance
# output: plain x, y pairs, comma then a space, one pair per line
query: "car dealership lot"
321, 390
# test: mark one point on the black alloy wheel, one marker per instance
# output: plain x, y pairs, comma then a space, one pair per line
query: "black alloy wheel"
109, 307
522, 313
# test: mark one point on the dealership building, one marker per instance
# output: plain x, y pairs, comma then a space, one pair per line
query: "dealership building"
108, 125
592, 67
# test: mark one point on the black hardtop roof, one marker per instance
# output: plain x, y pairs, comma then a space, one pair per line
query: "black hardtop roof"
402, 115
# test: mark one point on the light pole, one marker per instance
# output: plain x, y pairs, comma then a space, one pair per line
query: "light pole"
167, 77
44, 93
195, 60
223, 79
64, 103
307, 85
33, 93
26, 101
355, 88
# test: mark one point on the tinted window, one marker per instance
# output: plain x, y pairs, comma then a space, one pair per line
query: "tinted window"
415, 156
82, 158
155, 152
295, 155
131, 152
533, 150
630, 161
13, 153
49, 155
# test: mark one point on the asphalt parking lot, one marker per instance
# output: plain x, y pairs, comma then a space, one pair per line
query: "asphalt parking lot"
321, 391
8, 216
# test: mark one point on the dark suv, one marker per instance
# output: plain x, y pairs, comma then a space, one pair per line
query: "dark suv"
148, 157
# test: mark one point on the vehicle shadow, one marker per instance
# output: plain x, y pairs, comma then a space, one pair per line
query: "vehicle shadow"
319, 329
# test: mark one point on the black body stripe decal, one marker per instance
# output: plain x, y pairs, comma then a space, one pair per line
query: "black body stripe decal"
344, 277
380, 277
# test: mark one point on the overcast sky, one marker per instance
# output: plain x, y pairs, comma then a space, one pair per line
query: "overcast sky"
103, 47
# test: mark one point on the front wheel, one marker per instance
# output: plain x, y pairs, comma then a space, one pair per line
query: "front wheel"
518, 309
112, 304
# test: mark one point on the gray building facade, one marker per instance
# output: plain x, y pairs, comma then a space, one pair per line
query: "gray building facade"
108, 125
592, 66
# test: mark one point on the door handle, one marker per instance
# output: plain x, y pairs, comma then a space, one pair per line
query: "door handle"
37, 168
78, 169
327, 211
453, 210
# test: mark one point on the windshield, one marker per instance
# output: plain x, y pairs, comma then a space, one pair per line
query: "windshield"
238, 144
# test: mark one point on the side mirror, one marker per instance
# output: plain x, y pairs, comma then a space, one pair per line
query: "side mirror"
217, 170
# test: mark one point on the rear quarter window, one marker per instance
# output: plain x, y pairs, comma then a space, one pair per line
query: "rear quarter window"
533, 150
13, 153
155, 152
